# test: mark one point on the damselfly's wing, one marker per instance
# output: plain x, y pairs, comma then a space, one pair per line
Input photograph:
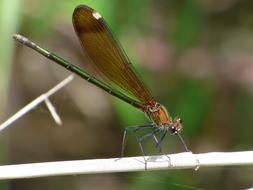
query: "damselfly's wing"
106, 53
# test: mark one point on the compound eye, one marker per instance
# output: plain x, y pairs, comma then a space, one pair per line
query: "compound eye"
173, 129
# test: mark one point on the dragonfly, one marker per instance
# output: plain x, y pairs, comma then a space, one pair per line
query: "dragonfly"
121, 80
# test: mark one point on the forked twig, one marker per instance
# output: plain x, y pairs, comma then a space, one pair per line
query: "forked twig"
42, 98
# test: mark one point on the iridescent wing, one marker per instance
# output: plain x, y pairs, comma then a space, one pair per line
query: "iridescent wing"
106, 53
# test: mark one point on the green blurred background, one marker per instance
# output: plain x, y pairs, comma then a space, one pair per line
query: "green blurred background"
196, 56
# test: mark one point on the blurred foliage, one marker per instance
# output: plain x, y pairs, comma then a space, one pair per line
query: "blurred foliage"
196, 57
188, 25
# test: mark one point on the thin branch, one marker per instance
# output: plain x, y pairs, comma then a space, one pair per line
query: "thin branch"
42, 98
186, 160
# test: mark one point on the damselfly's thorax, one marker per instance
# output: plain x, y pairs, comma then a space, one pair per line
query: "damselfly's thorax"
159, 115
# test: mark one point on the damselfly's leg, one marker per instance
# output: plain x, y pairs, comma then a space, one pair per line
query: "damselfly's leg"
140, 139
188, 150
158, 142
183, 142
134, 129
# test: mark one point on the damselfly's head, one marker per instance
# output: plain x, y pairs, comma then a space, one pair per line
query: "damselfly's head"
175, 126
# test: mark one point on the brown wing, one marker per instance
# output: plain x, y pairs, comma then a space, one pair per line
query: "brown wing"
106, 53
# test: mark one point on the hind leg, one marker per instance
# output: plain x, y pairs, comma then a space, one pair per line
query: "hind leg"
135, 129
